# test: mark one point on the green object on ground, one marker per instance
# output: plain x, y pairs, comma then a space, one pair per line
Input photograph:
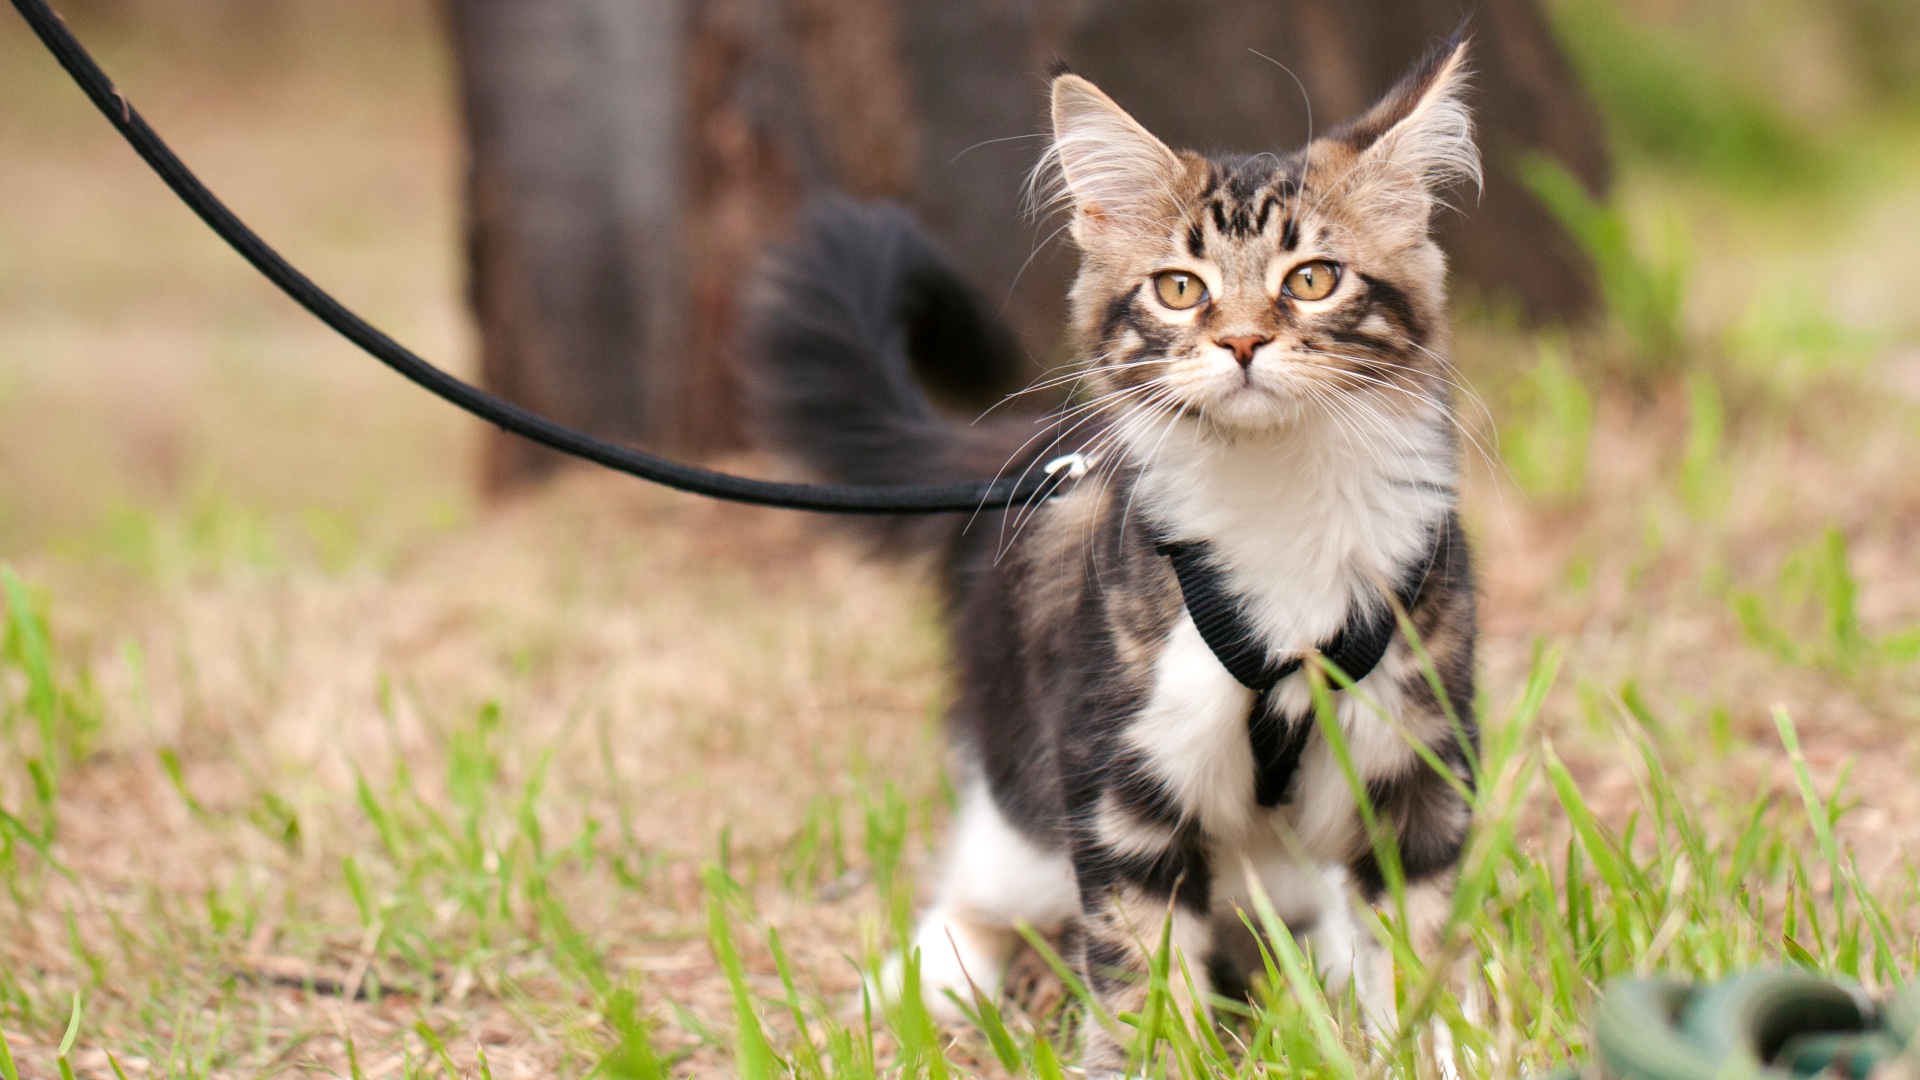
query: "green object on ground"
1768, 1025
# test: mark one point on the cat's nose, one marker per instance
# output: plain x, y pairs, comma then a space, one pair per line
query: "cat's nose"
1243, 346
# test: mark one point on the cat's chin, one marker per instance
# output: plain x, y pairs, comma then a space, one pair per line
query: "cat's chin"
1253, 414
1287, 402
1249, 412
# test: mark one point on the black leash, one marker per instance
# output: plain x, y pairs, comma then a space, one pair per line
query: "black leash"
1221, 617
961, 497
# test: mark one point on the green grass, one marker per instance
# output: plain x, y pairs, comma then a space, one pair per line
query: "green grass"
1669, 101
1689, 886
1549, 434
1644, 294
1811, 615
465, 876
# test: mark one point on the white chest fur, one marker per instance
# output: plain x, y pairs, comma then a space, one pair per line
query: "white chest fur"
1301, 526
1303, 523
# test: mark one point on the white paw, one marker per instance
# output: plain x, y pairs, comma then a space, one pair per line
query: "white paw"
957, 958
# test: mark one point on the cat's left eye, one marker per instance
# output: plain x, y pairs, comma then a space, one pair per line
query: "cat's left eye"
1312, 280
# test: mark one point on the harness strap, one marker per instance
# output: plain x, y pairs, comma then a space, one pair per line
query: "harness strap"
1277, 746
1220, 615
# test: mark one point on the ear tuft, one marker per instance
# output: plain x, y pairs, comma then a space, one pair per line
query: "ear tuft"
1110, 169
1423, 128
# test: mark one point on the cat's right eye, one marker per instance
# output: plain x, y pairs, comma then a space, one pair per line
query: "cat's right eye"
1179, 289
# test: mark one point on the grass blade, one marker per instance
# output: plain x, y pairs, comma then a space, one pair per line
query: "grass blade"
1819, 811
1301, 982
8, 1070
754, 1058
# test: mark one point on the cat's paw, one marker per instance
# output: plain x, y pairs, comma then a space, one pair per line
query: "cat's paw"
957, 958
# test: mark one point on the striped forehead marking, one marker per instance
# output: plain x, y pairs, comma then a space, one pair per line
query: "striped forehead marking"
1243, 197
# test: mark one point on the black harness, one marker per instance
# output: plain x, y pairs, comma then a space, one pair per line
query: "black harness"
1221, 617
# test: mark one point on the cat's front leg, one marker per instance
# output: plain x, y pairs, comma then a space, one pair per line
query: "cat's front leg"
997, 878
1135, 889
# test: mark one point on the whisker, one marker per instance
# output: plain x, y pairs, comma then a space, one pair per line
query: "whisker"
1172, 415
1465, 430
1028, 511
990, 142
1092, 410
1079, 373
1032, 255
1082, 375
1467, 391
1357, 411
1385, 426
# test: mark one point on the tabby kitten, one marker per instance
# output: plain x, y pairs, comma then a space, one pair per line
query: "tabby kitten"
1270, 470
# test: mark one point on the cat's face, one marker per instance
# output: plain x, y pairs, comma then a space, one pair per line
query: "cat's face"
1239, 293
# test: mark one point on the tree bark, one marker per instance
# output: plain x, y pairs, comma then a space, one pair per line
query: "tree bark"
574, 112
978, 88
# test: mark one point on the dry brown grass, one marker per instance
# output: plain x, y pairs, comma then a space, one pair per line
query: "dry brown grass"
692, 668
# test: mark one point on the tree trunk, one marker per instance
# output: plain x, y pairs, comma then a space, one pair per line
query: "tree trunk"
574, 113
977, 75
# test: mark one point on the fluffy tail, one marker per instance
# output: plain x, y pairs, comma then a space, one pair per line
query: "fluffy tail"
848, 329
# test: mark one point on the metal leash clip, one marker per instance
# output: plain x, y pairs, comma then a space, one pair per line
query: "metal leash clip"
1075, 463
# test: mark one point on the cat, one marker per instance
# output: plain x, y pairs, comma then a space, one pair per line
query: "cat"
1259, 462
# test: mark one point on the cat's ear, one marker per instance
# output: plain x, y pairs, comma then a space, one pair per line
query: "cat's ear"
1114, 172
1417, 141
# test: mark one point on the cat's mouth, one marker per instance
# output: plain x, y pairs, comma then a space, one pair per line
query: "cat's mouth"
1267, 394
1231, 401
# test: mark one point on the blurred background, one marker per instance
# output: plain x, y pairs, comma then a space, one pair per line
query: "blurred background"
564, 197
277, 585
